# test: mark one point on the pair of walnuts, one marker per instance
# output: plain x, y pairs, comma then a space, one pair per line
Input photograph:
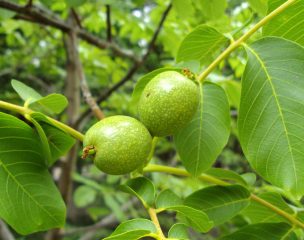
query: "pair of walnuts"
122, 144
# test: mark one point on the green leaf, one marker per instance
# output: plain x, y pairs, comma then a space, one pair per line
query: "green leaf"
289, 23
213, 9
233, 90
132, 230
271, 110
60, 142
84, 195
183, 8
195, 218
26, 93
6, 14
179, 231
53, 103
75, 3
44, 142
261, 231
257, 212
30, 201
259, 6
142, 188
249, 178
220, 203
168, 198
204, 137
200, 44
143, 81
226, 174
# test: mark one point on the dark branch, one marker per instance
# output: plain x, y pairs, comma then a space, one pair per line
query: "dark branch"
156, 33
132, 70
29, 4
109, 32
107, 94
77, 18
43, 16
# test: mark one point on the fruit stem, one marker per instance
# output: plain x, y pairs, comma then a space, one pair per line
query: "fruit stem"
235, 44
214, 180
153, 216
88, 150
154, 142
25, 111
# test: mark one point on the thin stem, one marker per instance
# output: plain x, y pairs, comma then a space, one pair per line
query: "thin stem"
181, 172
279, 211
211, 179
154, 219
23, 111
154, 142
108, 22
242, 39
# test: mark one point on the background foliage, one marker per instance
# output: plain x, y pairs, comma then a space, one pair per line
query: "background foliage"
144, 36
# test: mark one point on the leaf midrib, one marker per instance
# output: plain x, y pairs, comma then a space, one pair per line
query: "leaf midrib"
279, 109
26, 192
200, 127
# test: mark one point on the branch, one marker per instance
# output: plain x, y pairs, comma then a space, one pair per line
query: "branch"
234, 45
77, 18
42, 16
156, 33
107, 94
132, 70
205, 177
22, 110
94, 107
109, 32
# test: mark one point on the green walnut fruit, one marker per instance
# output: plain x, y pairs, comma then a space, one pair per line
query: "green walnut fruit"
168, 103
120, 144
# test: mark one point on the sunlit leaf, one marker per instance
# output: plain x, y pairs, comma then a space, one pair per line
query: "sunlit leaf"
271, 110
288, 24
200, 44
220, 203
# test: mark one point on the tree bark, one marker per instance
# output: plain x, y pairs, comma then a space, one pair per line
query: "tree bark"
72, 92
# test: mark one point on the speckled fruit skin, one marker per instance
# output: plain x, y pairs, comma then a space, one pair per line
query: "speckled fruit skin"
122, 144
168, 103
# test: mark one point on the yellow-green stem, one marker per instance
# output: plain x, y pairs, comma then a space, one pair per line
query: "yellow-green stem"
153, 216
237, 43
210, 179
24, 111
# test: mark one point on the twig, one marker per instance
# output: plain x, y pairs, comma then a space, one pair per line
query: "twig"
153, 216
108, 20
88, 95
43, 16
106, 94
132, 70
77, 18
